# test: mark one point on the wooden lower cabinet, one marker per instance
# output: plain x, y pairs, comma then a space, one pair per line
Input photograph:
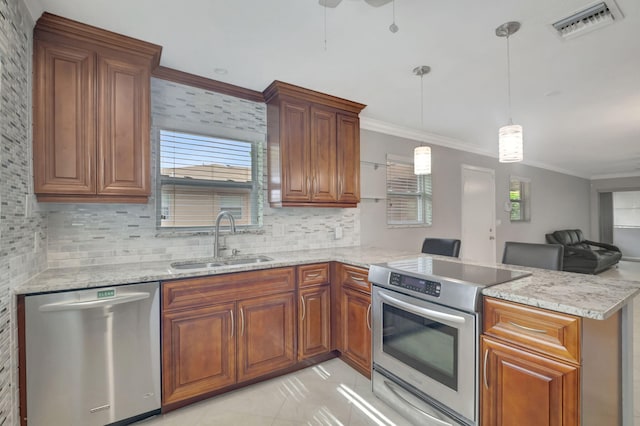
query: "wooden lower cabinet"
199, 351
355, 329
314, 324
266, 339
220, 331
521, 388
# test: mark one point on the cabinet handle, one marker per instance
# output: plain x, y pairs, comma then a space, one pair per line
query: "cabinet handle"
315, 185
316, 275
391, 386
358, 279
369, 317
308, 185
484, 368
232, 322
535, 330
241, 322
304, 311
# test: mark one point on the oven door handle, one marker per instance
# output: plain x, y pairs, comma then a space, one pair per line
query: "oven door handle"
391, 386
423, 312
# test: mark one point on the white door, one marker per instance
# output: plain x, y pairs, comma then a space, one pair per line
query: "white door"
478, 215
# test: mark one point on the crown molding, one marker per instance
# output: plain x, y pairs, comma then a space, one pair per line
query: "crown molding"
616, 175
435, 139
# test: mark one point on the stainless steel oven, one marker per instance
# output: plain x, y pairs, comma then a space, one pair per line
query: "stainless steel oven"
425, 330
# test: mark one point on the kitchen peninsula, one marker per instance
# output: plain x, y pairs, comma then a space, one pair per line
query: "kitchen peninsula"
589, 298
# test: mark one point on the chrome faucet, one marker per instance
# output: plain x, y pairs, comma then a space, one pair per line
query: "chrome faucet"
216, 244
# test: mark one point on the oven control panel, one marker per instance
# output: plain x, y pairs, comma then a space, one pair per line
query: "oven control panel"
431, 288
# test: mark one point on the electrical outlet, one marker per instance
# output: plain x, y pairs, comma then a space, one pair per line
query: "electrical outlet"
36, 242
338, 232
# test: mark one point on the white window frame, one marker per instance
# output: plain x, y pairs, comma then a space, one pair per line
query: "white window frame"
255, 192
423, 195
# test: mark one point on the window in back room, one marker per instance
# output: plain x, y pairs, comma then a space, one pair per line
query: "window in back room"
202, 175
408, 195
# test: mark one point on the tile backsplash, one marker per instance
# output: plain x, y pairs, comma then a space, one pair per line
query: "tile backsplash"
91, 234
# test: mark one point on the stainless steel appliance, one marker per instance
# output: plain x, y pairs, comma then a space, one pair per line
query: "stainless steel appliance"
426, 328
93, 356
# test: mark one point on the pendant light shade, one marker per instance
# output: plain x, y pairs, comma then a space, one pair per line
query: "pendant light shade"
422, 160
510, 140
422, 154
510, 143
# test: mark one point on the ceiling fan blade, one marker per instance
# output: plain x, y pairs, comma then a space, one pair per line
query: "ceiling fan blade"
329, 3
377, 3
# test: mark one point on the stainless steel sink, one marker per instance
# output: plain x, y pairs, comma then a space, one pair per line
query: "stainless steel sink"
246, 260
214, 263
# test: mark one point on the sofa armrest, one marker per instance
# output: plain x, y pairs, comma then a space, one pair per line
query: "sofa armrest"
603, 245
585, 253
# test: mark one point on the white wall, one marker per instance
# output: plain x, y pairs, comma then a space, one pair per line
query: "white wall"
608, 185
559, 201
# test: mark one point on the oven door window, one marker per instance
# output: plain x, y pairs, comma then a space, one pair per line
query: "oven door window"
425, 345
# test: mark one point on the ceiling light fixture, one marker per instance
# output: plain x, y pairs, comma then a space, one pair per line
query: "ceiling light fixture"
510, 145
422, 154
393, 27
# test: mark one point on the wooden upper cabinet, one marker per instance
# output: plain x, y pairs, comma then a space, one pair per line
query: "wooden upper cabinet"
64, 113
314, 148
348, 149
324, 174
123, 99
91, 102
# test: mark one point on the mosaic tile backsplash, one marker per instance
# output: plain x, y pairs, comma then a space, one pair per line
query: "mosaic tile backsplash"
92, 234
22, 228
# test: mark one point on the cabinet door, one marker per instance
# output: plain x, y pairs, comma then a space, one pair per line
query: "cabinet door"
323, 155
266, 339
123, 127
314, 325
295, 152
521, 388
356, 329
64, 115
198, 351
348, 159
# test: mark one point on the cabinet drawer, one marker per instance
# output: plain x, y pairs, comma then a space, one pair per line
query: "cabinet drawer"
543, 331
351, 276
315, 274
203, 291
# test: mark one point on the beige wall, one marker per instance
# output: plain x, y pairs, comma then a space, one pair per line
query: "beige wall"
557, 200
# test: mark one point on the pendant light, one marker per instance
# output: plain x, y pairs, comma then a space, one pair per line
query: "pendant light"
510, 141
422, 154
393, 27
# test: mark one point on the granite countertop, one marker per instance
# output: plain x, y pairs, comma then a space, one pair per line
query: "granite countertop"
587, 296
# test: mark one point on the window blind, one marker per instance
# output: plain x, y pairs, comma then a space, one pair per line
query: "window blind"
408, 195
203, 175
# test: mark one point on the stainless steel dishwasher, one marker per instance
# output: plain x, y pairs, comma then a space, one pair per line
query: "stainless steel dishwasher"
93, 356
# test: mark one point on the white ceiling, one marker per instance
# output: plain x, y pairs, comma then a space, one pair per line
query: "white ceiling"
578, 100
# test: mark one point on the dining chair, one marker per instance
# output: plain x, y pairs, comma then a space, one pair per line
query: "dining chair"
544, 256
441, 246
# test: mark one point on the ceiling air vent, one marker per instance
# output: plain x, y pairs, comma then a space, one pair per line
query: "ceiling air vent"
588, 19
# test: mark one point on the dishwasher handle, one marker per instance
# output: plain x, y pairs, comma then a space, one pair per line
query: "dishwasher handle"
75, 305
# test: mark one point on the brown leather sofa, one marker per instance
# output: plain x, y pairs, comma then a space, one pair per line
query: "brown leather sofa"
582, 255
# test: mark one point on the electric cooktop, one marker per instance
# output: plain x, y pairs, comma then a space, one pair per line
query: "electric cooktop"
481, 276
453, 284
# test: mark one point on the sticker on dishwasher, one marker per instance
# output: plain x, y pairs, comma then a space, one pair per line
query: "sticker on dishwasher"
102, 294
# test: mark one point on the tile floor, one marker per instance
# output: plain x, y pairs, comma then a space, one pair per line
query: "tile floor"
330, 394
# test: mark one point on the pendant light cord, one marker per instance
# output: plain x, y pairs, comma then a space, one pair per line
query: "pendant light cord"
422, 101
325, 28
509, 80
